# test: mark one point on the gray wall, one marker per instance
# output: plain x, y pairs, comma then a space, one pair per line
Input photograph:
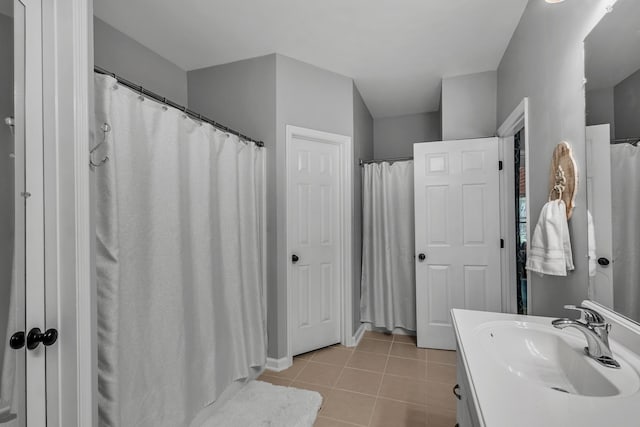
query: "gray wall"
259, 97
469, 106
6, 174
600, 108
627, 107
363, 148
394, 137
242, 95
313, 98
545, 62
126, 57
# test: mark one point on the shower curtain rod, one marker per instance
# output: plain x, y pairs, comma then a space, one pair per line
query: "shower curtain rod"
397, 159
161, 99
632, 141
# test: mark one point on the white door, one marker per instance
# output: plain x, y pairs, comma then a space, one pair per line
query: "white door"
599, 206
315, 239
457, 214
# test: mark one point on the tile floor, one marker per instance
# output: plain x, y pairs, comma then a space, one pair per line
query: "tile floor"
384, 382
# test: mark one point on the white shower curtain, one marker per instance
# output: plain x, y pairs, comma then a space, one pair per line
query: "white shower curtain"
625, 177
179, 265
388, 298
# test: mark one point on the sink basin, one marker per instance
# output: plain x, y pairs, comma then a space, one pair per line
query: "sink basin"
554, 359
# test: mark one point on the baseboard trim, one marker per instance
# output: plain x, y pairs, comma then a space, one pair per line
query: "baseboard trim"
278, 365
355, 340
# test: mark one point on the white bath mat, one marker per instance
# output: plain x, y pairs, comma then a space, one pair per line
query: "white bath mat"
261, 404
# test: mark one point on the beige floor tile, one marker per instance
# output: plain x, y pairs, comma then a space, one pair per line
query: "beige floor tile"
333, 355
441, 356
371, 335
416, 369
275, 380
409, 351
389, 413
306, 356
368, 361
320, 374
374, 346
441, 373
330, 422
439, 417
338, 345
407, 390
359, 381
407, 339
289, 373
350, 407
441, 395
324, 391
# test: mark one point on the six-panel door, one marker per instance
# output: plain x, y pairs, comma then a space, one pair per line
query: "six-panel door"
314, 234
457, 223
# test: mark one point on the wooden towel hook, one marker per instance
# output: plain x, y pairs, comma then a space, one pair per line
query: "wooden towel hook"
563, 177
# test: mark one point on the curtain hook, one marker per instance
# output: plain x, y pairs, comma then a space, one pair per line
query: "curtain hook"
105, 128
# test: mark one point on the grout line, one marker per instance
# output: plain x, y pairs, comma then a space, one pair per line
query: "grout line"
409, 358
339, 376
340, 421
373, 410
301, 369
356, 392
327, 364
373, 352
407, 402
365, 370
377, 397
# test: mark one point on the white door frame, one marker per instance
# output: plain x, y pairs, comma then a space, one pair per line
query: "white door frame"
345, 146
67, 65
518, 119
33, 200
20, 255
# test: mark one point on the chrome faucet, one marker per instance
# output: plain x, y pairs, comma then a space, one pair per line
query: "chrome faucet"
596, 330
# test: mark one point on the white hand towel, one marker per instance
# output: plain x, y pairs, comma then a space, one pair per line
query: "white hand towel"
550, 251
591, 239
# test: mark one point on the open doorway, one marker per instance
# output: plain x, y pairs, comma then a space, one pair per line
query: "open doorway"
515, 208
520, 186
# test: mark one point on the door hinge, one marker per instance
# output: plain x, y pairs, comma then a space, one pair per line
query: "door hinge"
501, 243
499, 165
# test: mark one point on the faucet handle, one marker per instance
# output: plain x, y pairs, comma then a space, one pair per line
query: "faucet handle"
591, 317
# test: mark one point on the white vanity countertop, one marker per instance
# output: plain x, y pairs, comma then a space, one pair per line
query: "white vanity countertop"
505, 395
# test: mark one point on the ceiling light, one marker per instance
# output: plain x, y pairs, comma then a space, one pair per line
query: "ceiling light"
554, 1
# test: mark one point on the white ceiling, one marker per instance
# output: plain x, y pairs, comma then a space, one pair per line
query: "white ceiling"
396, 51
612, 50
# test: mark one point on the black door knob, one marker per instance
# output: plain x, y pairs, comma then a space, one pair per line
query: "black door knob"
422, 257
35, 337
16, 341
603, 261
294, 258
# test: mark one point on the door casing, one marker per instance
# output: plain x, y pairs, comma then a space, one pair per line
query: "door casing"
33, 199
517, 120
346, 216
67, 72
